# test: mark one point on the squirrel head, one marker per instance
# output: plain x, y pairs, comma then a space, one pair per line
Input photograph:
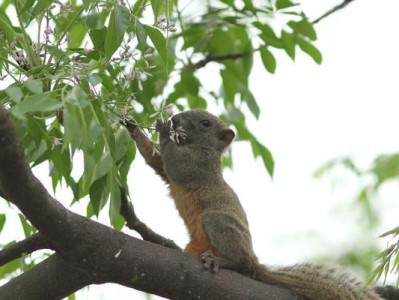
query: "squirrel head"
203, 129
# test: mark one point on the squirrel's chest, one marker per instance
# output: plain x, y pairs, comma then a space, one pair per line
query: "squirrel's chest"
186, 202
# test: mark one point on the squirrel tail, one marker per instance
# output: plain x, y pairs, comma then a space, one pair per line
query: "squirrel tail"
316, 282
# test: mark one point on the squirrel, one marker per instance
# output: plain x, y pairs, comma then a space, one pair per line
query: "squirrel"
189, 161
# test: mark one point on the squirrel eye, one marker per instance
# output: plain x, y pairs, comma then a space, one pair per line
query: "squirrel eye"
205, 123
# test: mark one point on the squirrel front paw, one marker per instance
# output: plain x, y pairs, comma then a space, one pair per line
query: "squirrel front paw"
129, 123
163, 128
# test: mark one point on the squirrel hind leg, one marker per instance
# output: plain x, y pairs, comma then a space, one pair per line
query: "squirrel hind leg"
230, 242
212, 262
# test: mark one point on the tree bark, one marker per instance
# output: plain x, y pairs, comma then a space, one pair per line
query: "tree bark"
54, 278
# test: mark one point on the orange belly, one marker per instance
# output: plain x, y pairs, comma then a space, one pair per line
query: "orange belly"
186, 204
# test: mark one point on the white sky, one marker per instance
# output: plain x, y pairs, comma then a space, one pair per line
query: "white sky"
310, 114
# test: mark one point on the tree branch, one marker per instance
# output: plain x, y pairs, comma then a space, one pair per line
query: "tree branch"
53, 278
29, 245
202, 63
133, 222
137, 264
332, 10
22, 188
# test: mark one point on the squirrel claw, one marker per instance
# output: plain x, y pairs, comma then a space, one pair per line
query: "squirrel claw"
163, 128
130, 124
210, 261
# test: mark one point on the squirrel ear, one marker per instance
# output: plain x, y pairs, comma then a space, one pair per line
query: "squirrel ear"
226, 135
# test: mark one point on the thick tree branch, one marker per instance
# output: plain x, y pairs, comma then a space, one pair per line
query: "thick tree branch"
54, 278
137, 264
332, 10
22, 188
133, 222
29, 245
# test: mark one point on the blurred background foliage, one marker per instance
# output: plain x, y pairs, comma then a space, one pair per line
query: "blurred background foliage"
371, 180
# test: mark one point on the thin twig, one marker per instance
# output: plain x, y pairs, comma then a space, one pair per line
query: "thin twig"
132, 222
202, 63
332, 10
27, 246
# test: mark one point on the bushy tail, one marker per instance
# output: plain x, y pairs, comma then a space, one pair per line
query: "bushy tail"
316, 282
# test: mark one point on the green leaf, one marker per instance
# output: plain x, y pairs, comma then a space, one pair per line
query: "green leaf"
62, 161
118, 23
386, 167
72, 297
77, 97
156, 7
237, 117
2, 221
190, 83
15, 93
75, 126
251, 103
94, 79
265, 28
44, 102
122, 139
97, 36
159, 42
268, 59
114, 206
130, 154
28, 4
196, 102
221, 42
249, 6
231, 85
93, 21
138, 8
103, 166
259, 150
78, 33
7, 30
98, 194
281, 4
35, 86
86, 4
228, 2
28, 229
311, 50
141, 36
288, 43
10, 267
267, 159
304, 27
40, 7
267, 35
